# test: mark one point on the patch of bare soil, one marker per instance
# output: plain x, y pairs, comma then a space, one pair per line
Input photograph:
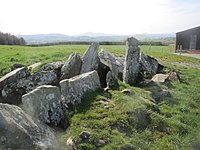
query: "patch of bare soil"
189, 55
187, 65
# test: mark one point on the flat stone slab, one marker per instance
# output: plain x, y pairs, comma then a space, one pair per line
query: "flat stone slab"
74, 88
20, 132
44, 103
14, 76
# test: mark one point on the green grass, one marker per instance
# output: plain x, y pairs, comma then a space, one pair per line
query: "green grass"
28, 55
127, 122
134, 122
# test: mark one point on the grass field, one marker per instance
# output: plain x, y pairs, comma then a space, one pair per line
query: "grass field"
28, 55
172, 124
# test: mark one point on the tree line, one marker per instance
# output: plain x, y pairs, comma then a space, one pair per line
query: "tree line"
8, 39
75, 43
153, 43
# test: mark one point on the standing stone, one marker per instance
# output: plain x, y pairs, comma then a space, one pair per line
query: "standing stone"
90, 58
44, 103
18, 131
72, 66
74, 88
131, 64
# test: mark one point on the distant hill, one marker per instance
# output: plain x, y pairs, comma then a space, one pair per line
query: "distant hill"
92, 34
90, 37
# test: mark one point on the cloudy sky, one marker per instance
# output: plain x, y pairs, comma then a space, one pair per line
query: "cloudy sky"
74, 17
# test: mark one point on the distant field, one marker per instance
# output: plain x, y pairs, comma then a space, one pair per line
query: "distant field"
28, 55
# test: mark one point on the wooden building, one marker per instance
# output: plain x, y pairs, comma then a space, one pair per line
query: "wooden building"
188, 40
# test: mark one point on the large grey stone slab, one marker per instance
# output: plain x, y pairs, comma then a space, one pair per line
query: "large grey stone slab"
90, 58
131, 63
14, 76
148, 64
44, 103
49, 77
72, 66
9, 93
74, 88
18, 131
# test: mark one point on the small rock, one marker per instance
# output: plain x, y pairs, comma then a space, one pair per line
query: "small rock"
15, 66
127, 92
71, 144
84, 135
159, 96
157, 93
173, 76
165, 93
100, 143
107, 107
160, 78
107, 94
104, 102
